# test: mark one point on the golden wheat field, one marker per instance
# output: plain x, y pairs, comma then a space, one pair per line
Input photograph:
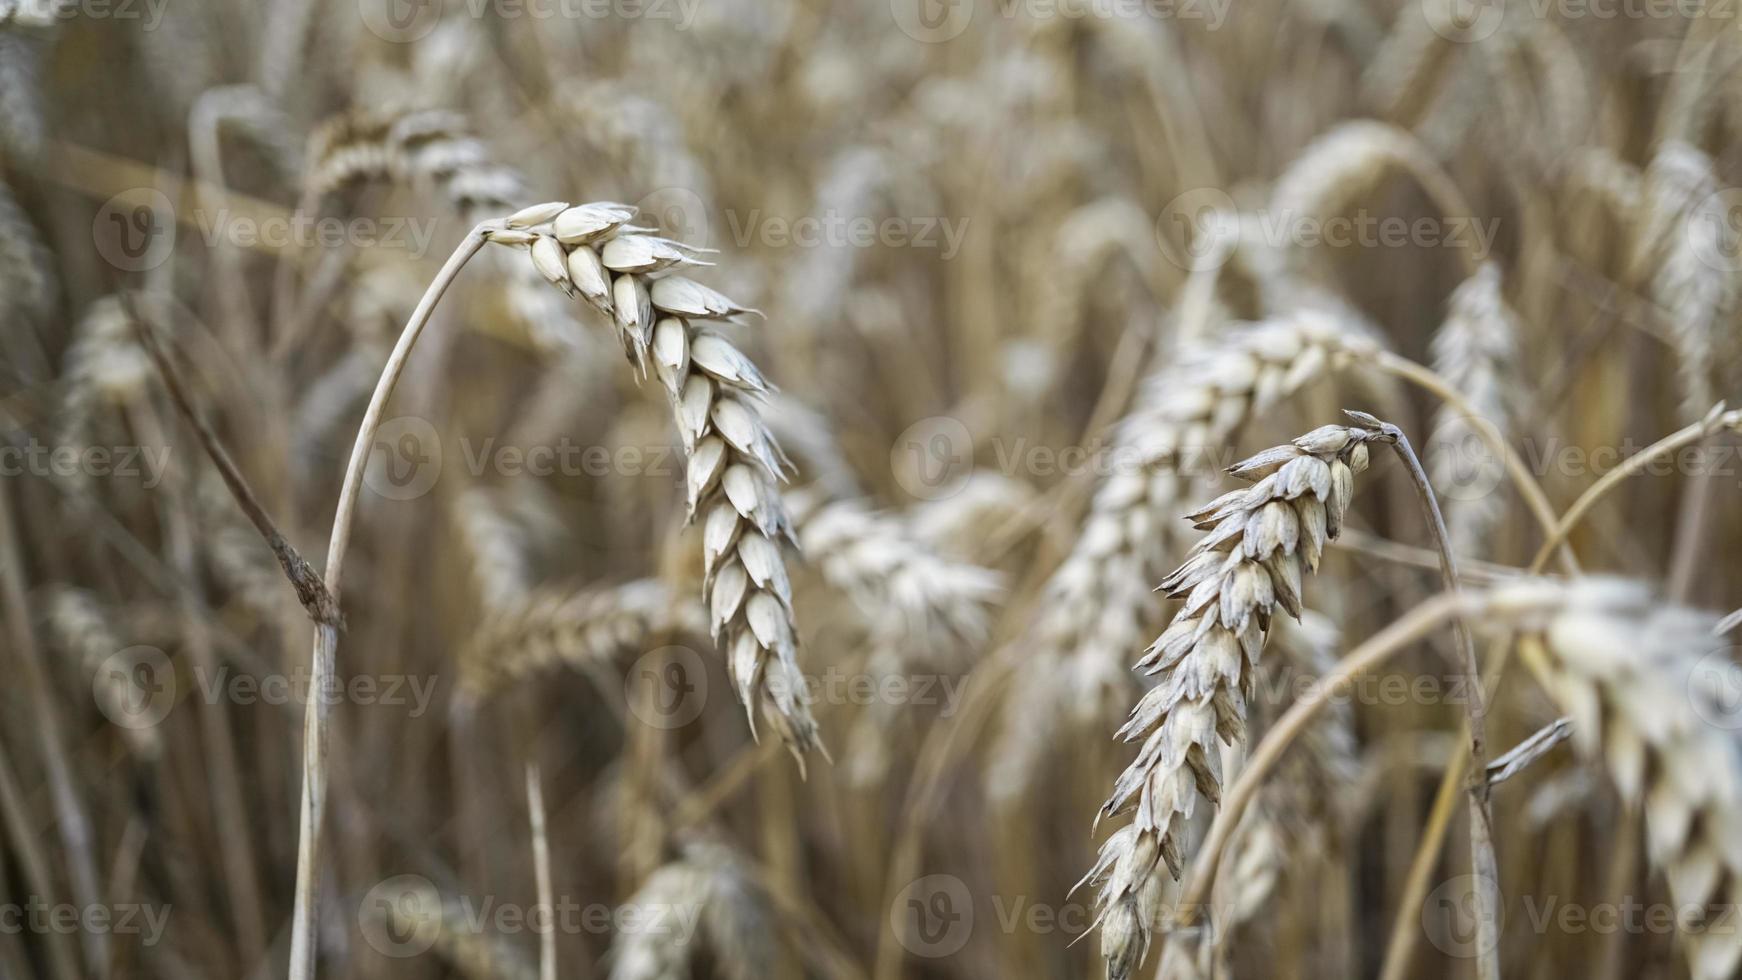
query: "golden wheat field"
870, 489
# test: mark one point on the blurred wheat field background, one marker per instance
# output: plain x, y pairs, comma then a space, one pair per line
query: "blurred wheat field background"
912, 488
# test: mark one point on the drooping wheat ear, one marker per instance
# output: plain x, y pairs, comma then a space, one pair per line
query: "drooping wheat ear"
1405, 64
435, 153
707, 890
1610, 181
1068, 262
549, 628
735, 466
1300, 811
496, 546
22, 126
1262, 541
907, 592
239, 558
1541, 88
1687, 243
636, 132
1350, 161
968, 522
1098, 605
1476, 351
453, 929
82, 628
1343, 165
1627, 669
104, 366
28, 281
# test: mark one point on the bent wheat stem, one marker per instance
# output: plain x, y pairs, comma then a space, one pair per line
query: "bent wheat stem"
326, 641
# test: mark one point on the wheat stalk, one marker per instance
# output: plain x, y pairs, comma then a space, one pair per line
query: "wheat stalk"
1262, 541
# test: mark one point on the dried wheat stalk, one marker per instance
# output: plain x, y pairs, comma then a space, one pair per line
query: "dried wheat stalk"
735, 466
1263, 540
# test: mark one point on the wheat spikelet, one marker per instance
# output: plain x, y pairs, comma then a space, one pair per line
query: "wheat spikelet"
82, 629
549, 628
435, 152
963, 524
1343, 165
735, 466
1625, 667
1096, 606
1476, 351
104, 366
22, 125
453, 931
1687, 227
1262, 542
496, 546
28, 282
904, 589
708, 887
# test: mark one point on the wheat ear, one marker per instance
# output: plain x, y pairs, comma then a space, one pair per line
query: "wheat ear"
1262, 541
1098, 605
735, 465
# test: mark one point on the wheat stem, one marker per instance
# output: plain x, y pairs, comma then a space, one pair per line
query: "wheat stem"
326, 642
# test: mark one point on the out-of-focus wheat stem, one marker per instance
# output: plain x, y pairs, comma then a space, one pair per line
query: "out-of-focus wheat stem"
1483, 863
326, 642
71, 819
541, 868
